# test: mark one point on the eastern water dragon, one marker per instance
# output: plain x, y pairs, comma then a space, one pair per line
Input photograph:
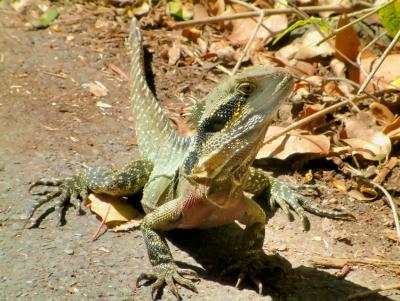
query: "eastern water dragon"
194, 182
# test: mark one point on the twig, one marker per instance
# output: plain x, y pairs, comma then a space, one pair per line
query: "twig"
55, 74
358, 60
251, 40
332, 262
323, 112
372, 292
393, 207
267, 12
380, 61
335, 32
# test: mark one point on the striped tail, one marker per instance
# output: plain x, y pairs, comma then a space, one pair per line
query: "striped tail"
154, 132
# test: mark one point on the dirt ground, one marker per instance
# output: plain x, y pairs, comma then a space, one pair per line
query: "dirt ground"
51, 126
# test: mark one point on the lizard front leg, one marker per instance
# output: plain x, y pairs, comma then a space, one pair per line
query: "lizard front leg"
165, 270
261, 184
121, 182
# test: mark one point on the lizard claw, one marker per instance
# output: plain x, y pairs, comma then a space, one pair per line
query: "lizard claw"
285, 195
250, 265
66, 191
168, 274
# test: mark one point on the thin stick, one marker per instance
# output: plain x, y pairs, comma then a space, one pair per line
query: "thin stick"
393, 207
380, 61
250, 41
333, 262
323, 112
358, 60
267, 12
372, 292
335, 32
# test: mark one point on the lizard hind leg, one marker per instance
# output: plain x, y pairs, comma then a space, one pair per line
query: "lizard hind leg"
165, 271
251, 262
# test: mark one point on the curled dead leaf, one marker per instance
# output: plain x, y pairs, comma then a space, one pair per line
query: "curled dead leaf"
112, 210
381, 112
375, 147
359, 196
393, 129
388, 72
294, 143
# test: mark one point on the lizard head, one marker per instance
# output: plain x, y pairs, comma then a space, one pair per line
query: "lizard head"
234, 122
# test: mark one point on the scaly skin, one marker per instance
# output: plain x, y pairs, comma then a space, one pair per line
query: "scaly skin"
195, 182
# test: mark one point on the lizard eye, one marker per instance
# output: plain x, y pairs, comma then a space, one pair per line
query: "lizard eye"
246, 88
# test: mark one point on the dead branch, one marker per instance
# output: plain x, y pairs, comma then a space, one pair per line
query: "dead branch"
332, 262
268, 12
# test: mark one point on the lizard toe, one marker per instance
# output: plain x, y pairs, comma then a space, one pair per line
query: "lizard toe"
169, 275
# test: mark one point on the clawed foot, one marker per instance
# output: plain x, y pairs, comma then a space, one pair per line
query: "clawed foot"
169, 274
251, 265
65, 192
286, 196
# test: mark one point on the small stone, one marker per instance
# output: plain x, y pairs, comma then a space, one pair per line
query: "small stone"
69, 251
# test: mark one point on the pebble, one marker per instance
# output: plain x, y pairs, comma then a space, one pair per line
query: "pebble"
69, 251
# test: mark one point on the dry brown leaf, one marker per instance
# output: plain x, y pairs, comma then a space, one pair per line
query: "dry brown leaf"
381, 112
375, 147
360, 125
357, 195
223, 50
308, 46
295, 143
339, 184
142, 9
218, 8
393, 129
389, 70
130, 225
97, 89
338, 67
119, 211
347, 41
174, 53
326, 14
288, 52
191, 33
390, 234
244, 28
199, 12
310, 110
331, 88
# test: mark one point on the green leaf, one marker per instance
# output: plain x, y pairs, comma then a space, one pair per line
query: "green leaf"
323, 25
175, 9
180, 11
46, 18
390, 18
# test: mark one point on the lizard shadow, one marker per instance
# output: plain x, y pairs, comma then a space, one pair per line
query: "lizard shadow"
213, 248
